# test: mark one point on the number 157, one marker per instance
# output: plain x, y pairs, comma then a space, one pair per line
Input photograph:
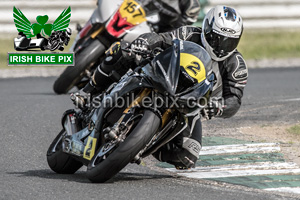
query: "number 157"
131, 8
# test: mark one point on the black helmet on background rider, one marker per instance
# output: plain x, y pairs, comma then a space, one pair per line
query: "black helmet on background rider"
221, 32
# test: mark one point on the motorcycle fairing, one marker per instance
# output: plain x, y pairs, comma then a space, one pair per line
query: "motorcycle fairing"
106, 9
133, 12
160, 69
193, 66
199, 90
126, 17
198, 96
90, 147
82, 144
164, 71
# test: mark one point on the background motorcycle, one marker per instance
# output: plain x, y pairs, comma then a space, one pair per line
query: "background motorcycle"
111, 21
107, 138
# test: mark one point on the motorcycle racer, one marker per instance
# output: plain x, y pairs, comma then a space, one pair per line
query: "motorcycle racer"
174, 13
220, 34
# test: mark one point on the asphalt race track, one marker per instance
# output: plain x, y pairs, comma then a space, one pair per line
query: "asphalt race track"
30, 119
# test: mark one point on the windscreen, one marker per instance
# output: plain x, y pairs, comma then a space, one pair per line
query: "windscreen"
183, 57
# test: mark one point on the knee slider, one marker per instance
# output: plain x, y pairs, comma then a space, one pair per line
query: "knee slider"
192, 146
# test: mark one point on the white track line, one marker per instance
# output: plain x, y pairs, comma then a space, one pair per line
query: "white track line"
295, 190
266, 168
254, 166
255, 169
240, 148
294, 99
235, 173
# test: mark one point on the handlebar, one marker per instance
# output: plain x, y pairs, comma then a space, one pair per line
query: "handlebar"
145, 54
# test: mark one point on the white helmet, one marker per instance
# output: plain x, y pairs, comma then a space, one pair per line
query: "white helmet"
221, 32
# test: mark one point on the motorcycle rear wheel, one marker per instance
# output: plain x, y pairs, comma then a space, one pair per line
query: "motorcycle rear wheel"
73, 74
137, 139
59, 161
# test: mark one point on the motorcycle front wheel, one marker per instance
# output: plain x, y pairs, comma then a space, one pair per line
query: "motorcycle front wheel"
106, 163
73, 74
59, 161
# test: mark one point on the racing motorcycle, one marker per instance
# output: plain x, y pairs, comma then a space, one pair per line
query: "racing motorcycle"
106, 137
111, 21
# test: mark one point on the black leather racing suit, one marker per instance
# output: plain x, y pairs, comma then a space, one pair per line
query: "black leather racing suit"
174, 13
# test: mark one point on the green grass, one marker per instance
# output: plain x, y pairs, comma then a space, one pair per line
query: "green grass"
294, 130
253, 45
7, 45
270, 44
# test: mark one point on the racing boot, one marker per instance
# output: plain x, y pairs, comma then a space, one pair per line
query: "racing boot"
183, 151
114, 66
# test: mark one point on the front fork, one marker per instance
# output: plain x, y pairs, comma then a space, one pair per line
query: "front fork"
120, 126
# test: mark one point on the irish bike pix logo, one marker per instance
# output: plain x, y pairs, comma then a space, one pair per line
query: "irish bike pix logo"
41, 36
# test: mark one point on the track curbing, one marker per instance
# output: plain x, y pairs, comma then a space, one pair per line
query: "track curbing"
256, 165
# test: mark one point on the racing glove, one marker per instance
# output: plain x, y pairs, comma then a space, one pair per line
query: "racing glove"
140, 45
213, 109
117, 55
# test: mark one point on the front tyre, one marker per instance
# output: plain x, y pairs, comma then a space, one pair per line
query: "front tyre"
73, 74
101, 169
59, 161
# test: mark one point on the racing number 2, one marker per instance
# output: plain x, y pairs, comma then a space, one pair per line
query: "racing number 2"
89, 149
194, 68
132, 7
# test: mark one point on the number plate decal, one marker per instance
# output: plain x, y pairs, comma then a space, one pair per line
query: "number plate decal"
128, 16
89, 149
133, 12
193, 66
